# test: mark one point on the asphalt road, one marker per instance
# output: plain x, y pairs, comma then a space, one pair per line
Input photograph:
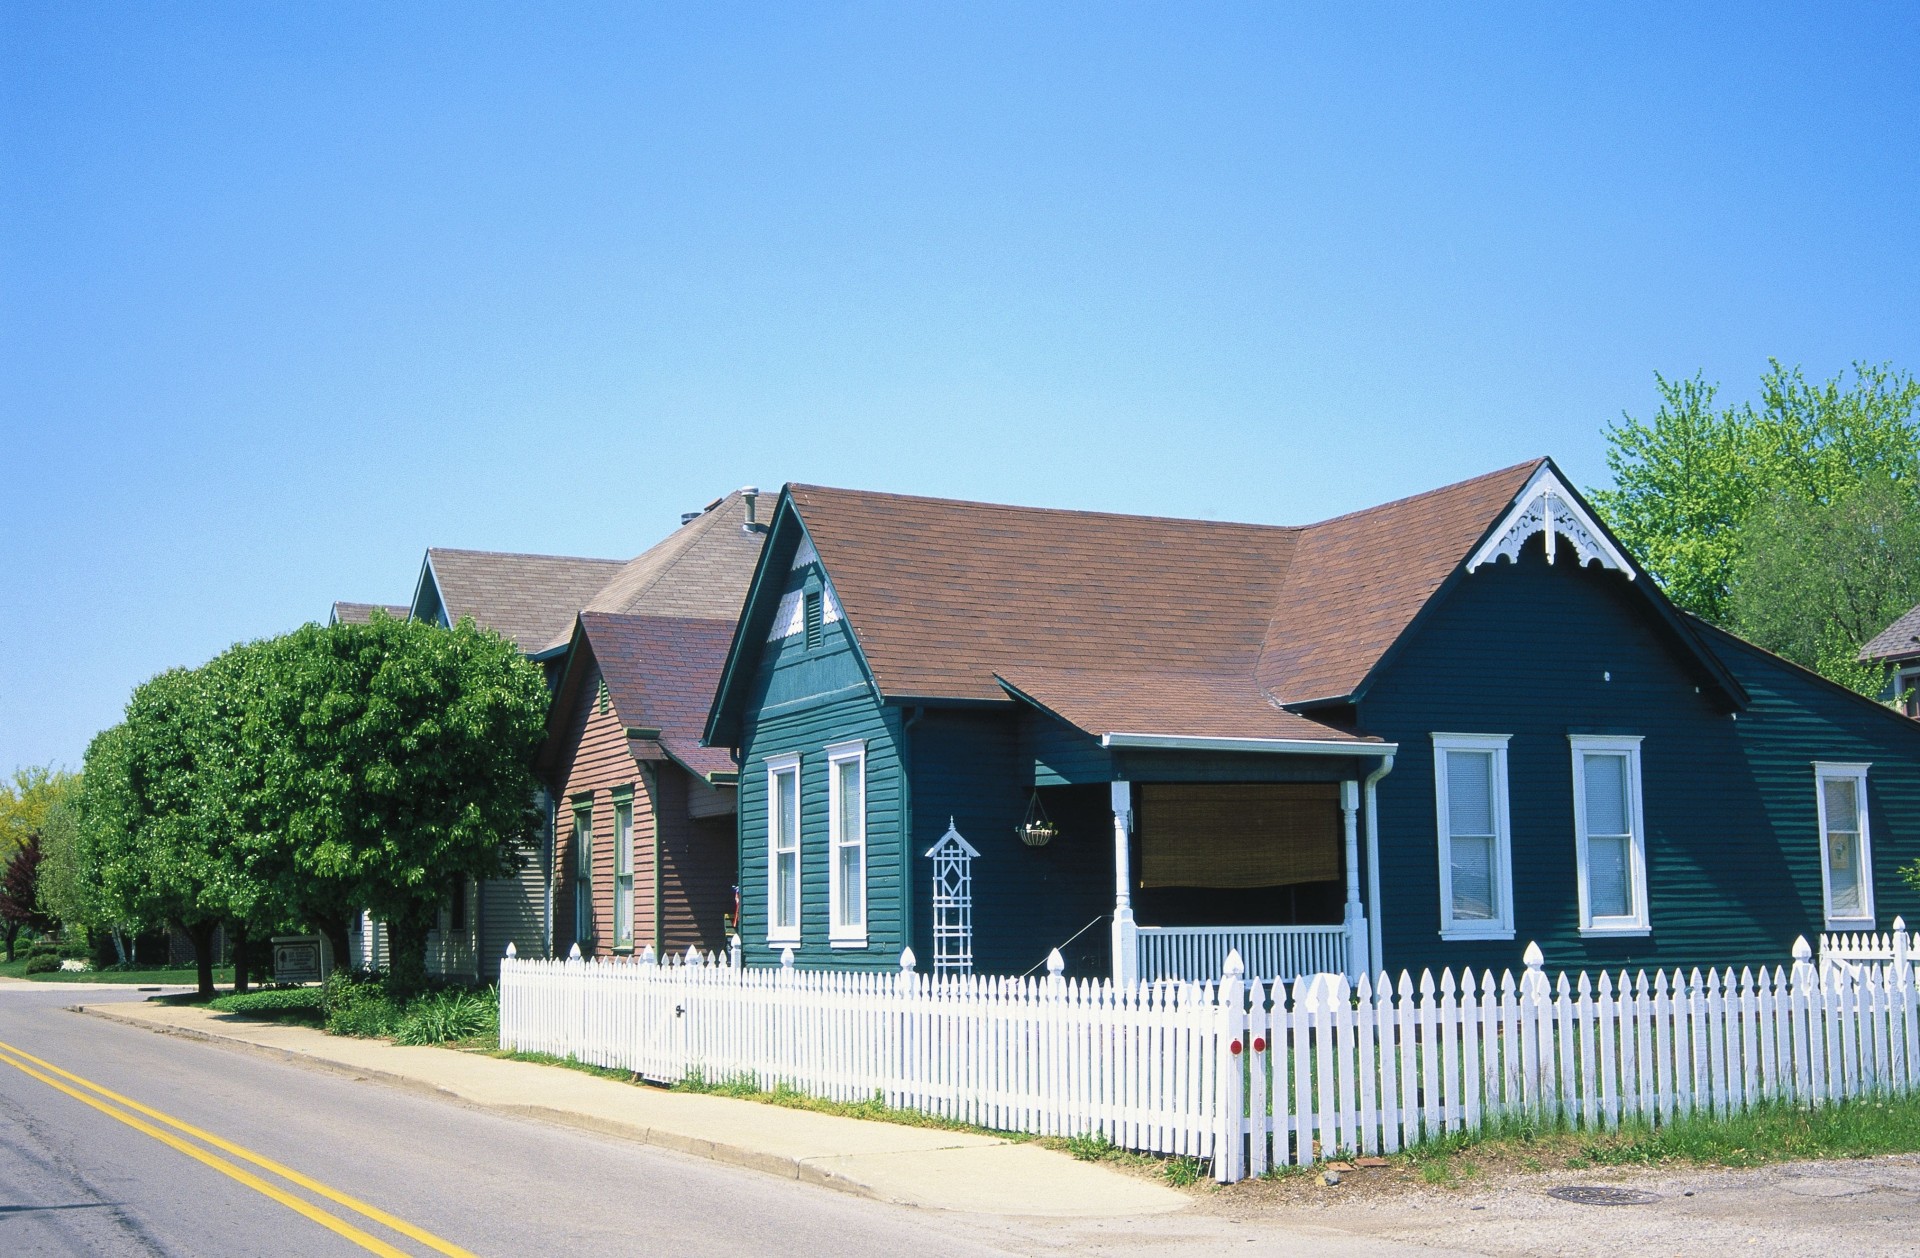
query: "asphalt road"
75, 1180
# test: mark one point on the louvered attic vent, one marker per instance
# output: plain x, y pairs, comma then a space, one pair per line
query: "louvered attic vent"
603, 700
813, 619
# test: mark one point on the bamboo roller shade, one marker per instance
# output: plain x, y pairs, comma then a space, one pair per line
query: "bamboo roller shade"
1241, 835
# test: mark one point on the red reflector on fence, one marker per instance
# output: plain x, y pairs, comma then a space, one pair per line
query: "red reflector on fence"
1259, 1045
1234, 1048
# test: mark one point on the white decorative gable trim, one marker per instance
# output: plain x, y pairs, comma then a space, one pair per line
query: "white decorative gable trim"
1547, 506
806, 554
791, 616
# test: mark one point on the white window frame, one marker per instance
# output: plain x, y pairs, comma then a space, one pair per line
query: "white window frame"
838, 935
1825, 771
623, 871
778, 934
1906, 677
1500, 926
1637, 922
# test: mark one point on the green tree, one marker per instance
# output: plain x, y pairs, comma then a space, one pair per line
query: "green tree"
1812, 581
66, 883
1779, 520
25, 800
401, 765
168, 810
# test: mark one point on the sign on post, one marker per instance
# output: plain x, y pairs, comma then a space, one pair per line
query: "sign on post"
300, 959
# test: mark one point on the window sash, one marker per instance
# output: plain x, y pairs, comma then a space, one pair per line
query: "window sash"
847, 823
1475, 840
783, 849
1609, 834
1846, 851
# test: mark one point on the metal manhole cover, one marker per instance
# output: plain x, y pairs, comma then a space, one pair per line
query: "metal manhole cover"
1594, 1195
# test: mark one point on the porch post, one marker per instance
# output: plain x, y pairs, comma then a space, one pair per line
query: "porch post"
1126, 959
1356, 918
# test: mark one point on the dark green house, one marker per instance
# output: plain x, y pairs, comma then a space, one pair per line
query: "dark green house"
1420, 735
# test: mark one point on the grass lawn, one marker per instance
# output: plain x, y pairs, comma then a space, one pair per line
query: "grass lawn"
147, 975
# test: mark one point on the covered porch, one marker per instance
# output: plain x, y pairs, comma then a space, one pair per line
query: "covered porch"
1280, 866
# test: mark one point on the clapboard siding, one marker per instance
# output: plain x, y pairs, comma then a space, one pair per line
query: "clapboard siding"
967, 767
593, 762
1540, 652
697, 867
511, 909
803, 700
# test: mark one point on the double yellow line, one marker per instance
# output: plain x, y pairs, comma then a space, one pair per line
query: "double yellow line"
126, 1110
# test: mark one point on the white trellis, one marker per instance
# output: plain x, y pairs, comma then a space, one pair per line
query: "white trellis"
952, 902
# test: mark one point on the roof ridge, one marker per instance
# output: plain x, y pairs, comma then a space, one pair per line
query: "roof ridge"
518, 554
686, 535
1079, 512
1450, 487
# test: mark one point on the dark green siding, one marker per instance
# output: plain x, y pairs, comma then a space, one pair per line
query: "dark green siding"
1525, 649
803, 701
968, 765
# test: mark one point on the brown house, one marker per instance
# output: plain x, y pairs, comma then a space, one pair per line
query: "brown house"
645, 845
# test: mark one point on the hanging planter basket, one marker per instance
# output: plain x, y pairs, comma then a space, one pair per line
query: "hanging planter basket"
1037, 829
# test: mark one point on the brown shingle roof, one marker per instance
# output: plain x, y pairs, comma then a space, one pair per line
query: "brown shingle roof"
944, 595
1897, 641
361, 613
661, 672
1189, 705
528, 599
701, 570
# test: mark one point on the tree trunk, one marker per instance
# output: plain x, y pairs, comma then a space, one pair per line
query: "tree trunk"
336, 929
201, 934
13, 933
242, 956
406, 956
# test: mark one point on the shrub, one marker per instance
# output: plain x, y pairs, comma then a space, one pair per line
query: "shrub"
44, 947
43, 963
439, 1017
287, 1004
359, 1006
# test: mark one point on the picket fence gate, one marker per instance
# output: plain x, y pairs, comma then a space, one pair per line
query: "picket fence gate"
1245, 1074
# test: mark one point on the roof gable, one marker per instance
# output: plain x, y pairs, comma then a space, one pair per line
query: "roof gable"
660, 673
528, 599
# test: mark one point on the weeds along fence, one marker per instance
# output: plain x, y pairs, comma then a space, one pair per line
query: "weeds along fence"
1246, 1074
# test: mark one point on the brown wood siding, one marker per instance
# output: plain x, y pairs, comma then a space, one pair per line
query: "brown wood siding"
593, 761
697, 867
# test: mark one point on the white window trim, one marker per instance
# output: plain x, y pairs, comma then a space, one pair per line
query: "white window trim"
1825, 771
838, 754
1638, 922
777, 934
623, 855
1500, 926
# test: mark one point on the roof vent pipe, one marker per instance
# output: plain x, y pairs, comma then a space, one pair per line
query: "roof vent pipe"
688, 517
750, 495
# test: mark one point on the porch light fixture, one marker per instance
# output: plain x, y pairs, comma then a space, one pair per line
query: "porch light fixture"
1036, 829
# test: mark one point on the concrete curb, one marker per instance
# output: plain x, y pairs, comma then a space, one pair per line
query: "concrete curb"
803, 1170
918, 1166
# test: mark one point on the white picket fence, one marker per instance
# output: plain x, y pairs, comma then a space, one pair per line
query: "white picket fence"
1848, 948
1051, 1056
1240, 1072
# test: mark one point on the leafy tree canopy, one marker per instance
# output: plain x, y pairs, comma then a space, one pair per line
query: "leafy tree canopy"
1781, 519
25, 800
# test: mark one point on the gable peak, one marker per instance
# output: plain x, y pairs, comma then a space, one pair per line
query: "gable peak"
1546, 505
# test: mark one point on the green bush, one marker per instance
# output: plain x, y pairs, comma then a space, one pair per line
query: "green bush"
359, 1006
43, 963
442, 1016
44, 947
294, 1004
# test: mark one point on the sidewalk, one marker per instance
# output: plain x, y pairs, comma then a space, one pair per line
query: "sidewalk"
917, 1166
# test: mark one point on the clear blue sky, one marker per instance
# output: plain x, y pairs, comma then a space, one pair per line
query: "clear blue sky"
289, 292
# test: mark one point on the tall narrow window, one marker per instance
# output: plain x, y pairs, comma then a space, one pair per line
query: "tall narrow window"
1609, 834
1846, 854
783, 849
583, 873
1476, 848
623, 871
847, 822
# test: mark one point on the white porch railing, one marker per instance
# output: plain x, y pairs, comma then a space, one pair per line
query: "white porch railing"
1197, 954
